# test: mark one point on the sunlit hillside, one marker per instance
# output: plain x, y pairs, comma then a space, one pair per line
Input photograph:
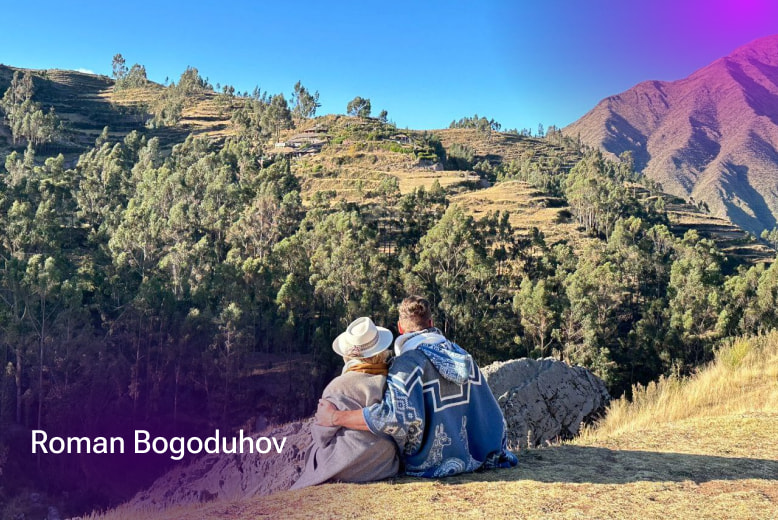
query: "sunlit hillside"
353, 158
709, 135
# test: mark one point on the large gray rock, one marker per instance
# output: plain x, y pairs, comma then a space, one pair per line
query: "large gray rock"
542, 400
545, 399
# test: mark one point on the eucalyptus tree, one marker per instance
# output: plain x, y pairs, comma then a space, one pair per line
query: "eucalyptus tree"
304, 103
26, 118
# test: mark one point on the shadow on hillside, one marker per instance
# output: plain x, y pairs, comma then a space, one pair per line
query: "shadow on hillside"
759, 98
623, 137
737, 182
581, 464
79, 101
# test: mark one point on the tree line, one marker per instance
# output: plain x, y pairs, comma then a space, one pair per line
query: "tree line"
169, 269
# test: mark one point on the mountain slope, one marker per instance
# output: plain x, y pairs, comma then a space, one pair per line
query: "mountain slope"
712, 136
87, 103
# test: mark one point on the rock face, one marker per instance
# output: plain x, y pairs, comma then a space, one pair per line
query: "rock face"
545, 399
542, 400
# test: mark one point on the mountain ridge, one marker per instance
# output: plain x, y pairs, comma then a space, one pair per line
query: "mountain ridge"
712, 136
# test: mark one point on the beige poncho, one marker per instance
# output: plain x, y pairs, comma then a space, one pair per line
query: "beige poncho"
337, 454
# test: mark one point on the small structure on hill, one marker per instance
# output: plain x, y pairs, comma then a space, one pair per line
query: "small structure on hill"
307, 142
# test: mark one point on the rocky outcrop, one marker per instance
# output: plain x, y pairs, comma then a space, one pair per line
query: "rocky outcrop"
542, 400
545, 400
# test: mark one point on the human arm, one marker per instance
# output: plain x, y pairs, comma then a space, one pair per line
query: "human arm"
328, 415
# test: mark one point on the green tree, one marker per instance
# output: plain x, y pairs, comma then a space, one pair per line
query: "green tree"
595, 294
695, 296
771, 237
135, 77
249, 122
535, 304
359, 107
119, 67
277, 116
25, 117
304, 103
452, 260
191, 82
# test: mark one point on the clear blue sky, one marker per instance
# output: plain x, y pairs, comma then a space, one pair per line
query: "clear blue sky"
520, 62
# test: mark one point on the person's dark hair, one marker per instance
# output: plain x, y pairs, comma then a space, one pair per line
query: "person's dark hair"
415, 313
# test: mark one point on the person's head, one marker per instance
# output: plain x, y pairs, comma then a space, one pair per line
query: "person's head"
415, 314
363, 340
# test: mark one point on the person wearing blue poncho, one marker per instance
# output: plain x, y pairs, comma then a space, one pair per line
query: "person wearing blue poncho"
437, 406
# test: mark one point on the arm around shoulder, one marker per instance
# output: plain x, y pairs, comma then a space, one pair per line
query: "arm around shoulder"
328, 415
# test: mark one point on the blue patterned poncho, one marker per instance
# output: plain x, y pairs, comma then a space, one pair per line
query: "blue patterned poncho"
439, 409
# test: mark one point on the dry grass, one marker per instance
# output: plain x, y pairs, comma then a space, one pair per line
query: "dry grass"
702, 447
353, 170
410, 181
506, 147
743, 379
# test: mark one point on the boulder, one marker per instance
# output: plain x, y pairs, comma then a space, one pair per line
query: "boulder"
545, 400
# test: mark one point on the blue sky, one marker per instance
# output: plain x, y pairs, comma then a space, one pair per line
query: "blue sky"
521, 63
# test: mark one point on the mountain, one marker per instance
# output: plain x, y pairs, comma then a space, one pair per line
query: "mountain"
711, 137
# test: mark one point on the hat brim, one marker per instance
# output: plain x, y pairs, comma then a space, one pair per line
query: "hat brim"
385, 338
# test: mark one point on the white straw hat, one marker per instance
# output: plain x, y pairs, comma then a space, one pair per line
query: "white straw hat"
362, 339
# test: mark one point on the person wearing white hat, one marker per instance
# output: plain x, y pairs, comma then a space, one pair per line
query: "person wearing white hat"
338, 454
362, 340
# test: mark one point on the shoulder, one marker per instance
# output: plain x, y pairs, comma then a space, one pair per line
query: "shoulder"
355, 385
407, 362
408, 367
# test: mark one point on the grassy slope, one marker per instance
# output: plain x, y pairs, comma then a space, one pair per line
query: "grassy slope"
699, 448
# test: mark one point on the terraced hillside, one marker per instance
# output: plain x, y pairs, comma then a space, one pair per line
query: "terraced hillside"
354, 168
80, 101
528, 208
730, 239
87, 103
357, 159
357, 156
500, 147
